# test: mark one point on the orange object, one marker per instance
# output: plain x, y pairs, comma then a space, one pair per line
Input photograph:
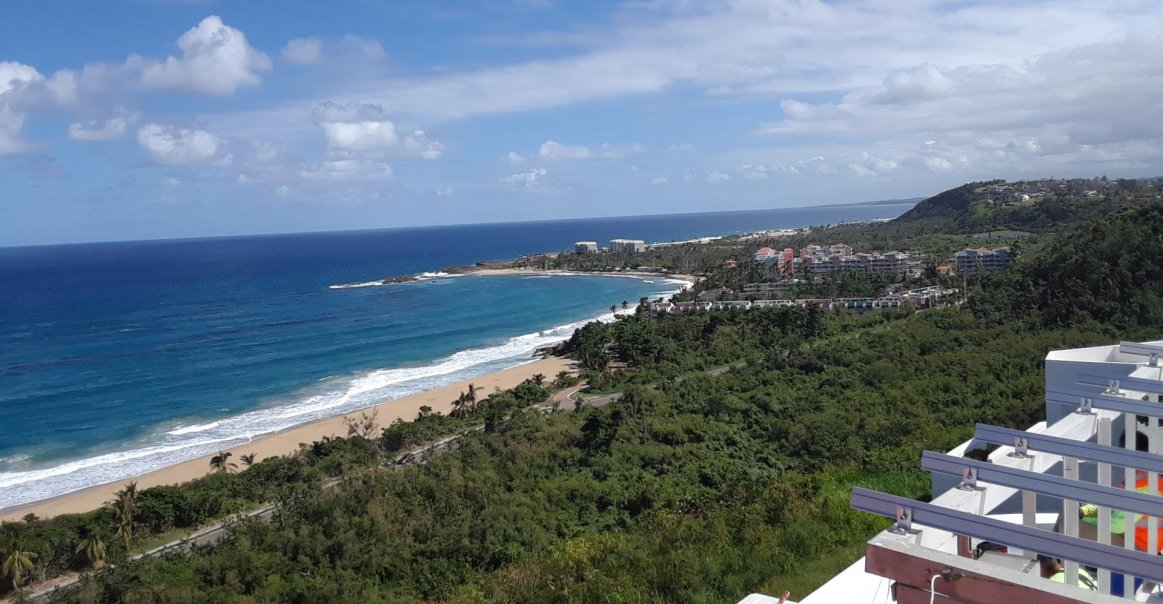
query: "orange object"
1142, 485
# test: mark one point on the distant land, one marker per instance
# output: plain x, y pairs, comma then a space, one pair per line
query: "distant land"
885, 202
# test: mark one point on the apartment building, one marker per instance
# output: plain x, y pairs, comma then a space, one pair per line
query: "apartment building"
627, 246
585, 247
982, 260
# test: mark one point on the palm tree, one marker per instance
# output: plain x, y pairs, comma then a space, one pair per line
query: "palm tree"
248, 459
125, 506
92, 549
538, 378
221, 463
460, 406
613, 308
471, 397
16, 564
625, 304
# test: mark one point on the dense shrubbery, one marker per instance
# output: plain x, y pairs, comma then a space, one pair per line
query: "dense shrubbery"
1108, 272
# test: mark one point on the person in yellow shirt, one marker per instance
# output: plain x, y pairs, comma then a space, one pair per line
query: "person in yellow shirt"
1052, 569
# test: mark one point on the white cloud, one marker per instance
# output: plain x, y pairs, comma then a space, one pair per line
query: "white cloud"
553, 150
356, 126
516, 158
529, 179
659, 180
753, 171
717, 176
445, 192
172, 181
368, 48
303, 51
216, 60
101, 130
23, 89
417, 144
365, 128
172, 145
609, 151
362, 170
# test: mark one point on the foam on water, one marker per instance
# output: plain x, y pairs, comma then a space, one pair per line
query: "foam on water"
356, 285
326, 398
192, 429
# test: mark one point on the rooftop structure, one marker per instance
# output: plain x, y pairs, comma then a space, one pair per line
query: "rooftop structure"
585, 247
764, 254
1029, 497
627, 246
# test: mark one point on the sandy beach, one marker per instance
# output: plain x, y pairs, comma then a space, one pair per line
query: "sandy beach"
281, 443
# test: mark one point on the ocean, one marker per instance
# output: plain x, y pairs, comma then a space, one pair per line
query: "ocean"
121, 358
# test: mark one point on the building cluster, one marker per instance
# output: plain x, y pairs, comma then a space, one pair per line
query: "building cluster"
970, 261
617, 246
923, 298
820, 260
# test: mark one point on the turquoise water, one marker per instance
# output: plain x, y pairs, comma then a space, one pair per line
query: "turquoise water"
117, 359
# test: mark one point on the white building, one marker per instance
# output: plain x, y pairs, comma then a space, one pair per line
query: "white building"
585, 247
971, 261
764, 254
627, 246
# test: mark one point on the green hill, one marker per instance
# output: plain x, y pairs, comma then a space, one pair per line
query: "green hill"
1108, 271
1035, 205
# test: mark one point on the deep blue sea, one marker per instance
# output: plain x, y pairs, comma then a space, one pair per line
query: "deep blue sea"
121, 358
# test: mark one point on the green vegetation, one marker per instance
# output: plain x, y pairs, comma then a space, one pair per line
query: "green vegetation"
696, 485
1037, 206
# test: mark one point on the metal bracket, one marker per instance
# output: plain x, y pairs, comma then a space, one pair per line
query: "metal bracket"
968, 479
1086, 407
904, 521
1153, 360
1113, 388
1021, 447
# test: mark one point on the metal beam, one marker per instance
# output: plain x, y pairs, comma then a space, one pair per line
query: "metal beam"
1046, 484
1032, 539
1067, 447
1130, 383
1142, 350
1120, 404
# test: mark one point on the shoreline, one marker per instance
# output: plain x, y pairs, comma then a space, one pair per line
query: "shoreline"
500, 272
287, 441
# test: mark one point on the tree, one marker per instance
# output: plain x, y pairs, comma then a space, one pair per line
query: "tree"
125, 506
539, 378
613, 308
248, 459
460, 406
625, 304
365, 426
471, 395
16, 564
221, 463
91, 548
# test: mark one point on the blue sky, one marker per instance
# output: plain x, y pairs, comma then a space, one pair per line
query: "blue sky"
132, 119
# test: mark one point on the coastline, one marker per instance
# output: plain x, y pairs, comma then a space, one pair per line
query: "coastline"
288, 441
487, 272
